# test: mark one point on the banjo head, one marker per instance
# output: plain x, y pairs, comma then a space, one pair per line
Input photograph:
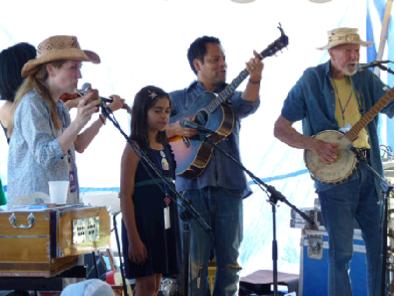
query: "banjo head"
337, 171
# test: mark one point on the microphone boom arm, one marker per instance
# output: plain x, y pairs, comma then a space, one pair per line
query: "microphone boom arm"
379, 64
273, 194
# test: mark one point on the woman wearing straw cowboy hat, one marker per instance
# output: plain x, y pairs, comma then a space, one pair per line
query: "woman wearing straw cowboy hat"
332, 96
43, 137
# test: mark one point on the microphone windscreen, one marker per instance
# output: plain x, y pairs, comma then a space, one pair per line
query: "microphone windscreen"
361, 67
183, 122
86, 87
188, 124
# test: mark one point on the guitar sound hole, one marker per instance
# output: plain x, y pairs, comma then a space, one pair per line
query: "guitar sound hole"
201, 118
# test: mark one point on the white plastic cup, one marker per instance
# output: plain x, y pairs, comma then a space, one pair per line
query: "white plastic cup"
58, 191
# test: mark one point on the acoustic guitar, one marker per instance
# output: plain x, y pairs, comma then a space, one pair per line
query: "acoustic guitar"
210, 110
345, 164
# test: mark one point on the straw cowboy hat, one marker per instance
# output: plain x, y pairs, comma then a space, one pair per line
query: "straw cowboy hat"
344, 36
59, 47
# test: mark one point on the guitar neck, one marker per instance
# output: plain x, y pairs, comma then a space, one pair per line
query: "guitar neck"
271, 49
228, 91
353, 133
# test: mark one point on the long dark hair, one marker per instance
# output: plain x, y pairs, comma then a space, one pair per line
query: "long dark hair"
12, 60
144, 100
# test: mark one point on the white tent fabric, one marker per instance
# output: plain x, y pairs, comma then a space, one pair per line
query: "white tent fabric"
145, 42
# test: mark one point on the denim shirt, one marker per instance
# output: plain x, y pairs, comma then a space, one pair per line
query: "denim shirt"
35, 155
220, 171
312, 100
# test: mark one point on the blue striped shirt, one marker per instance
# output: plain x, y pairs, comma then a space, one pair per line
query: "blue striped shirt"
35, 155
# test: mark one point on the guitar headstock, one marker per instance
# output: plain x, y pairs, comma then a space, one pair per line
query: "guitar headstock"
271, 49
277, 45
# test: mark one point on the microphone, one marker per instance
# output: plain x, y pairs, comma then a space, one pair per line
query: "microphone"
201, 129
86, 87
362, 67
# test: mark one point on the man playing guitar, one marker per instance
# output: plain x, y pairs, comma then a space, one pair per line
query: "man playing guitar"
217, 192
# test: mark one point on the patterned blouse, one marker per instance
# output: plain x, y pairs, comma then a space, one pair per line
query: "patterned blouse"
35, 155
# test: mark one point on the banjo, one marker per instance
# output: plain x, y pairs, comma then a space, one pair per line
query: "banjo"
346, 161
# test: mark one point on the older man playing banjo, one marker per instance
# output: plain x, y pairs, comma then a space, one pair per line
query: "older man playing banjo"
327, 98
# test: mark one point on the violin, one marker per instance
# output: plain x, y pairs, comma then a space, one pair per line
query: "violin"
67, 97
79, 93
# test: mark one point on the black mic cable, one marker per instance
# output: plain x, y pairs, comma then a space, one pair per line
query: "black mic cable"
379, 64
193, 125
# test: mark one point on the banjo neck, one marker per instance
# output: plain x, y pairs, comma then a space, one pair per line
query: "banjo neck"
352, 134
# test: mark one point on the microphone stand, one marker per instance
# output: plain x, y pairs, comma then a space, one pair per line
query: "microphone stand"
191, 212
384, 214
383, 203
389, 70
386, 275
380, 65
273, 194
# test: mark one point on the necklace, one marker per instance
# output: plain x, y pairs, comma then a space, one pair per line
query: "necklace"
342, 108
165, 167
164, 161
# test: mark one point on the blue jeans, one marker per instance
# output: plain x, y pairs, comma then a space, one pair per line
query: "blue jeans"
222, 210
341, 206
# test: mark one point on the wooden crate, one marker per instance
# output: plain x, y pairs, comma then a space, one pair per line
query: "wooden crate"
42, 241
